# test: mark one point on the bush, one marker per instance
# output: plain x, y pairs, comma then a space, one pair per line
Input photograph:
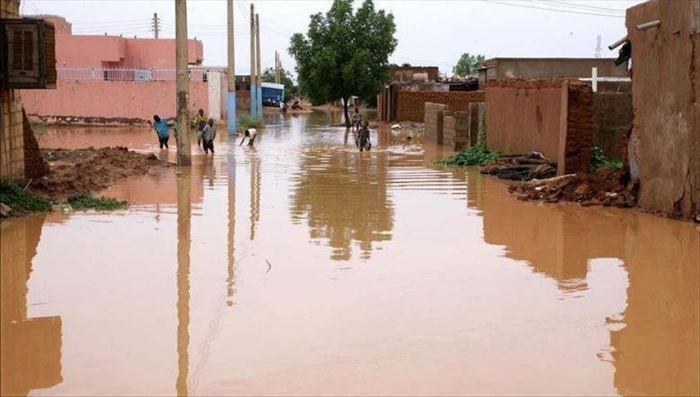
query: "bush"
246, 121
86, 200
599, 160
20, 200
475, 155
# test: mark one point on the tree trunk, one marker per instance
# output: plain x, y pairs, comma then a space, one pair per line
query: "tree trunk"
347, 116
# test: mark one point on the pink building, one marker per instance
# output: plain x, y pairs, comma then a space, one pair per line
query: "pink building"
102, 51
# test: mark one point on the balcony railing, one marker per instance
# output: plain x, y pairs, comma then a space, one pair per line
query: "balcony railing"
117, 74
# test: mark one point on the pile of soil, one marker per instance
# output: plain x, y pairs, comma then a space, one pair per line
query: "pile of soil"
521, 167
606, 187
85, 170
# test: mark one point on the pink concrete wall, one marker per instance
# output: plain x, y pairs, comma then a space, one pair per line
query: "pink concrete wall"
88, 51
110, 100
159, 53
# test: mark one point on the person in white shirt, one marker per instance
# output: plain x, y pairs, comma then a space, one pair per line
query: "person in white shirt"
250, 133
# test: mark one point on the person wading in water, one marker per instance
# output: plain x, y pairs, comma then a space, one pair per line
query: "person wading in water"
363, 138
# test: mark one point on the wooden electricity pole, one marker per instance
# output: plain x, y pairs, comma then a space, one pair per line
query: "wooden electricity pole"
257, 61
231, 97
184, 149
253, 88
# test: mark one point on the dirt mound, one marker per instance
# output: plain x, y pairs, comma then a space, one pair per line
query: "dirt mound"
606, 187
84, 170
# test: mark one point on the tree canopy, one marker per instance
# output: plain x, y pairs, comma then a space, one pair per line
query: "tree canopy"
268, 76
344, 53
468, 64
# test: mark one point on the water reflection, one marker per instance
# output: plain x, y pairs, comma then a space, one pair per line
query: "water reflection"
184, 217
30, 348
342, 195
231, 227
655, 339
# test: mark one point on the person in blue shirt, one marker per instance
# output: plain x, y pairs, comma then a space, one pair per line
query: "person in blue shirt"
161, 127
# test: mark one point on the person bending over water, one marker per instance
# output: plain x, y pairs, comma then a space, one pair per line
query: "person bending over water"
250, 133
161, 127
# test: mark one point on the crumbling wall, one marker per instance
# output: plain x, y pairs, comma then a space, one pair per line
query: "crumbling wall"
34, 164
554, 117
11, 132
448, 128
579, 129
612, 119
410, 105
666, 101
434, 122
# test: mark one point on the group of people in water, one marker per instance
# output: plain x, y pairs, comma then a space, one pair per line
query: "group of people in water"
206, 132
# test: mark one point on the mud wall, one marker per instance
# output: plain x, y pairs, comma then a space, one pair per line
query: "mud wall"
612, 120
411, 104
434, 118
110, 100
666, 100
34, 164
554, 117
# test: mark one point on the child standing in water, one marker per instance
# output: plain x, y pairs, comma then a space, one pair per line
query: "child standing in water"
208, 135
363, 138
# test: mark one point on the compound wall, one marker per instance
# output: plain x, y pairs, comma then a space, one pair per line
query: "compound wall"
411, 104
554, 117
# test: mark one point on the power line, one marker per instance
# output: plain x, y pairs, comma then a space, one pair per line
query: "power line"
583, 6
551, 9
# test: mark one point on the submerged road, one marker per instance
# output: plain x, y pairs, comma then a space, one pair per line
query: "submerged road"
302, 267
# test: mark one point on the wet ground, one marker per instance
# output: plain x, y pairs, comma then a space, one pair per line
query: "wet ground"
303, 267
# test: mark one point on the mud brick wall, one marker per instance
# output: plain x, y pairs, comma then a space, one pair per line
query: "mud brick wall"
612, 120
546, 116
477, 122
448, 129
411, 104
579, 129
34, 165
666, 101
434, 122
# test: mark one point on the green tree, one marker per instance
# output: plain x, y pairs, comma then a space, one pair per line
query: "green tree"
344, 53
268, 76
468, 64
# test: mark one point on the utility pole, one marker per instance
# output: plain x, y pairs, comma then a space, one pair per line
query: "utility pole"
257, 57
184, 148
278, 76
253, 88
156, 25
231, 73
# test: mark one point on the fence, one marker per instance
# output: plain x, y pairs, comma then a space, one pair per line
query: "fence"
112, 74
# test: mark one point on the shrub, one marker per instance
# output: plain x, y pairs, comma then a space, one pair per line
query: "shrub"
475, 155
246, 121
18, 199
600, 160
86, 200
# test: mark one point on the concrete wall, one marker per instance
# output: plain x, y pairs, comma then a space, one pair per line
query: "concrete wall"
411, 104
554, 117
100, 102
11, 129
215, 95
666, 100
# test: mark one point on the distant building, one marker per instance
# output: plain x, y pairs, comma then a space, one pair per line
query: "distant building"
538, 68
103, 51
407, 74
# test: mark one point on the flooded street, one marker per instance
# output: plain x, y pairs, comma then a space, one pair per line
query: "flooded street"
303, 267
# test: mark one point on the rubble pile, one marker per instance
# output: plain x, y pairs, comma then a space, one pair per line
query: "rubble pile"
606, 187
521, 167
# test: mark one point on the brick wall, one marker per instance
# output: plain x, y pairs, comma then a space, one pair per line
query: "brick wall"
34, 164
411, 104
612, 118
11, 132
579, 128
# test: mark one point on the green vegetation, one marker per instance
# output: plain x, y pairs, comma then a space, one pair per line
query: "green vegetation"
475, 155
245, 122
468, 64
599, 160
21, 200
268, 76
344, 53
86, 200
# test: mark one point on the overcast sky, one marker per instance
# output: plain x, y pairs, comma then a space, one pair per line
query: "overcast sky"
430, 32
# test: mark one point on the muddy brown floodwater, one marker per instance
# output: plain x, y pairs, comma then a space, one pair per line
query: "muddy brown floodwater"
302, 267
